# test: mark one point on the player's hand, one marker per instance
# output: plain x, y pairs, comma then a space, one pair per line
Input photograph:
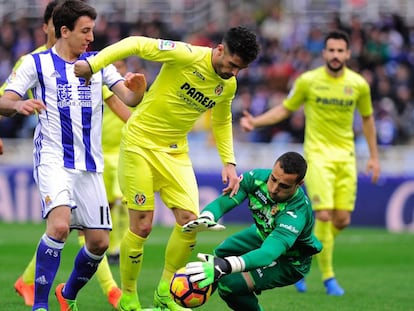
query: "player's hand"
208, 270
229, 177
83, 70
203, 223
1, 146
136, 82
246, 122
373, 168
29, 106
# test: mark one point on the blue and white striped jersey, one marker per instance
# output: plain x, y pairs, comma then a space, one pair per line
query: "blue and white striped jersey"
69, 131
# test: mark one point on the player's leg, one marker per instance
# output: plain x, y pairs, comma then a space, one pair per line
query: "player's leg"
93, 216
320, 185
56, 202
24, 285
240, 290
345, 190
237, 290
105, 278
178, 190
139, 199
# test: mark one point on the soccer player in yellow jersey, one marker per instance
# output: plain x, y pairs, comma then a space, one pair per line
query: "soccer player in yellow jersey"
330, 94
154, 148
24, 285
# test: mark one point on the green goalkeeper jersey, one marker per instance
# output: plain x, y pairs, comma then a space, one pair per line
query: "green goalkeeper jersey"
284, 227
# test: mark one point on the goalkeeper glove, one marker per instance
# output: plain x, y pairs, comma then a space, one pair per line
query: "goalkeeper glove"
211, 268
203, 223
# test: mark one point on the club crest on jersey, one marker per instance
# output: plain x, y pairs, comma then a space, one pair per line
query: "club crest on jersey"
140, 198
275, 209
48, 200
218, 90
166, 45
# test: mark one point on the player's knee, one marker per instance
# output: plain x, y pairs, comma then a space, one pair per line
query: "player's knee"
323, 215
143, 230
98, 247
58, 230
183, 216
341, 223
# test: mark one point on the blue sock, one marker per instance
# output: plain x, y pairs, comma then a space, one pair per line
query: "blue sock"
84, 268
47, 264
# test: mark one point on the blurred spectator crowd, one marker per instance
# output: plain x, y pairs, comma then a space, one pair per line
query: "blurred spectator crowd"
382, 51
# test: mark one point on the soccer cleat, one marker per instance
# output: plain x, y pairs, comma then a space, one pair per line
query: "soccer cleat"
65, 304
129, 302
333, 288
25, 290
163, 300
301, 286
41, 309
114, 295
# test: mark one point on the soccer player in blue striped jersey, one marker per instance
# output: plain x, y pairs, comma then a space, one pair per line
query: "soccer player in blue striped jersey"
68, 161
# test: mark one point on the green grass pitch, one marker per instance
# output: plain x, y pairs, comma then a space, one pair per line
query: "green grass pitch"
375, 267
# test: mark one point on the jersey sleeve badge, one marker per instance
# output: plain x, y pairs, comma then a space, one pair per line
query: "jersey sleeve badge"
166, 45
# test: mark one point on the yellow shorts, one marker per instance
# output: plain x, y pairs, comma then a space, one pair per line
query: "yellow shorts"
331, 185
142, 172
110, 175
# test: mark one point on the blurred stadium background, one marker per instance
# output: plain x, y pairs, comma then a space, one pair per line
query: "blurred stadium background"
291, 34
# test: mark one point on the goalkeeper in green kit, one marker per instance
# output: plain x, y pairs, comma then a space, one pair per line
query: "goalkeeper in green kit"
275, 251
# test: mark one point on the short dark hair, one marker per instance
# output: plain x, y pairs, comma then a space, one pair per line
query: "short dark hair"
339, 35
293, 163
242, 42
68, 12
47, 15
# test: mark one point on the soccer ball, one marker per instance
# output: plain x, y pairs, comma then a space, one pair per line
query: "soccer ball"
186, 293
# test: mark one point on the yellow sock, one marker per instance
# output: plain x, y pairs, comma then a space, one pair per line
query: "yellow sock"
335, 231
178, 251
28, 275
130, 261
324, 233
104, 273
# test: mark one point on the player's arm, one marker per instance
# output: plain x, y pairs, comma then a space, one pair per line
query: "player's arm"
222, 128
370, 133
211, 268
212, 212
122, 49
12, 103
280, 112
275, 115
1, 146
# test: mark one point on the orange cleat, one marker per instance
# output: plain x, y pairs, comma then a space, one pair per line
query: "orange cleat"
65, 304
25, 290
114, 295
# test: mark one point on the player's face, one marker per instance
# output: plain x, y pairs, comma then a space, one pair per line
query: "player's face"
281, 186
225, 64
335, 54
81, 35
